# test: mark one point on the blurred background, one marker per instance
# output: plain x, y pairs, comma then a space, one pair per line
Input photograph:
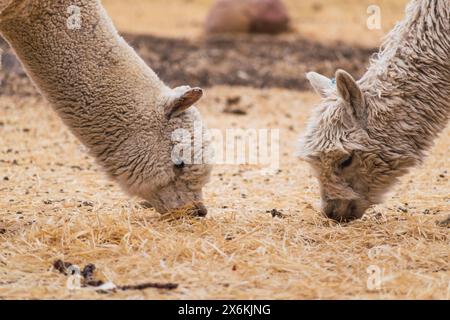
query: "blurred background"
251, 43
323, 20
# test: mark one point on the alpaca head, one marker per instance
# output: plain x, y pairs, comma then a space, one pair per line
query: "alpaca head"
350, 165
177, 167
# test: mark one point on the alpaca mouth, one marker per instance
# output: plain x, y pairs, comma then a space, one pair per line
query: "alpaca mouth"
195, 209
199, 210
344, 211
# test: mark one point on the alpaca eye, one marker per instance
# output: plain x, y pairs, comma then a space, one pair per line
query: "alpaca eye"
347, 162
179, 165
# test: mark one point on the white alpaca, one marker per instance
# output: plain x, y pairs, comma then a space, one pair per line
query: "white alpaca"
366, 134
110, 99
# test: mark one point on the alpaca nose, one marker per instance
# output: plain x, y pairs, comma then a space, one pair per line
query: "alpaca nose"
330, 211
200, 210
341, 210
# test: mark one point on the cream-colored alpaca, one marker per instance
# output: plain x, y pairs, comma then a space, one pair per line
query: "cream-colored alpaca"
110, 99
366, 134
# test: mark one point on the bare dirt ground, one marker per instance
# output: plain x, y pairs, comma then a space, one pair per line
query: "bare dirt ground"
254, 61
55, 203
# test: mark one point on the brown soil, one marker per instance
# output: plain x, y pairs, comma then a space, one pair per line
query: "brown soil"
253, 61
57, 204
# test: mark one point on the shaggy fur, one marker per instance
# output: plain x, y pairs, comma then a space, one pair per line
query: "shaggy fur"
366, 134
110, 99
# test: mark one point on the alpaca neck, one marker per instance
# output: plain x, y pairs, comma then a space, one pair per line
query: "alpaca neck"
408, 85
86, 72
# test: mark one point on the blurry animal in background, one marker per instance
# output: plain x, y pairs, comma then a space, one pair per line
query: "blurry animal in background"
248, 16
366, 134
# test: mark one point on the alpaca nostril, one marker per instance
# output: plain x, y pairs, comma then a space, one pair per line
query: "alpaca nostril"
352, 211
330, 214
200, 210
355, 211
329, 211
335, 216
146, 205
333, 212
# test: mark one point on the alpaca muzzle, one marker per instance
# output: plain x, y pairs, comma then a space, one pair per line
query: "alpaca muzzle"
196, 209
344, 210
199, 210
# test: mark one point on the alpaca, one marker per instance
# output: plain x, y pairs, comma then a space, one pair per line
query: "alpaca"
109, 98
366, 134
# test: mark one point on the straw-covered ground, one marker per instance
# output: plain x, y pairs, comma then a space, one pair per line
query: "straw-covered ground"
263, 238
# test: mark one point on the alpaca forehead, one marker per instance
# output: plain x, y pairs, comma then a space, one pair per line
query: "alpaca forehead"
324, 140
326, 148
329, 119
331, 129
323, 157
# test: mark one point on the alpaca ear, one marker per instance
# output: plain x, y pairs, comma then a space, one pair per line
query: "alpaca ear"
321, 84
183, 98
349, 90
